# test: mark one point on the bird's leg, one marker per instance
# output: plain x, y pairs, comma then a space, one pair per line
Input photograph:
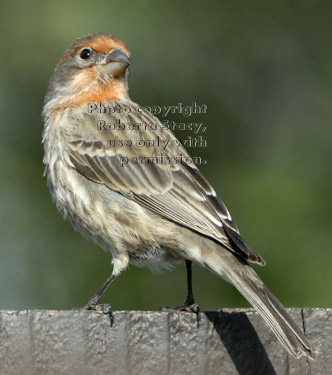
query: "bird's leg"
94, 301
189, 304
190, 300
94, 304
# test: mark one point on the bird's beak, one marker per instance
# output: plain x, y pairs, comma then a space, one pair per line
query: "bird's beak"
115, 63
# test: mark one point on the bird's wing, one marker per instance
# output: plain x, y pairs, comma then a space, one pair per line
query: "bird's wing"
139, 164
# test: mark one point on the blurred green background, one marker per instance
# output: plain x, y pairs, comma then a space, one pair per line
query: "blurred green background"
264, 70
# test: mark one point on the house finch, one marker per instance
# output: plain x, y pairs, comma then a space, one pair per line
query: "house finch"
143, 201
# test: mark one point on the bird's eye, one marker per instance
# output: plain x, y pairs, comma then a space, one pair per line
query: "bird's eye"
85, 54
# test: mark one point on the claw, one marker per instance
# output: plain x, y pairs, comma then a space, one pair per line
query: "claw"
99, 308
193, 308
107, 310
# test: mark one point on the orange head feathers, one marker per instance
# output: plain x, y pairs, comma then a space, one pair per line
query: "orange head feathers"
100, 43
94, 68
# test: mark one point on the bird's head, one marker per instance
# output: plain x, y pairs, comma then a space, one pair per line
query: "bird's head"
93, 69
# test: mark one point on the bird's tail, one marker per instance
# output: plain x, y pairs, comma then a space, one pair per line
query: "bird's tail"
244, 278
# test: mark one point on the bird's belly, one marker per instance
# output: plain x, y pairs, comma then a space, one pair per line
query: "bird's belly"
111, 220
154, 257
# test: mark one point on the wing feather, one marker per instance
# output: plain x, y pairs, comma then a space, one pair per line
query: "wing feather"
177, 191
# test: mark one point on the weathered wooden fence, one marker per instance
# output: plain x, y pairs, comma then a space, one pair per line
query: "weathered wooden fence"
38, 342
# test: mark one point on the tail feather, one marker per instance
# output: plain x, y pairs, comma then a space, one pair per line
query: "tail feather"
273, 312
236, 271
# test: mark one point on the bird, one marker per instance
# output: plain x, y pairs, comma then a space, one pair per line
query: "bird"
146, 205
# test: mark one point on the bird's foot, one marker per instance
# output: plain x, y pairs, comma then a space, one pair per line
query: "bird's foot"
188, 307
99, 308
